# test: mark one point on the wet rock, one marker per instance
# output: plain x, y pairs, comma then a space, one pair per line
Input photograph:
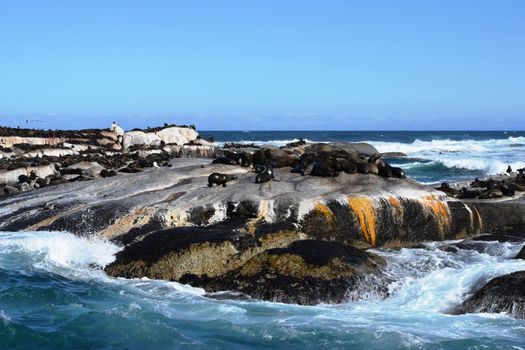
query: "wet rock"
521, 254
502, 294
278, 158
306, 272
201, 252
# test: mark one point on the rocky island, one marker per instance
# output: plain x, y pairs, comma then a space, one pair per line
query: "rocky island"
292, 224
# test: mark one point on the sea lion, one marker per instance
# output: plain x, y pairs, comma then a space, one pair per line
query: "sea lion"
9, 190
509, 169
107, 173
266, 175
68, 171
243, 159
324, 168
259, 168
445, 187
224, 160
507, 190
343, 164
490, 194
469, 193
24, 179
259, 157
305, 164
220, 179
397, 172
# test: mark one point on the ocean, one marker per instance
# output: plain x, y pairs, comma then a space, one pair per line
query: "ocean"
53, 294
432, 156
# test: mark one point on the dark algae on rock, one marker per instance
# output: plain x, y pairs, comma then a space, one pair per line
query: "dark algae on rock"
306, 272
502, 294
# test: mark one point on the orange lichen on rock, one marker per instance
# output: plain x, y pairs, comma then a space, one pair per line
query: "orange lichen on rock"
366, 214
480, 221
394, 201
396, 207
325, 211
440, 210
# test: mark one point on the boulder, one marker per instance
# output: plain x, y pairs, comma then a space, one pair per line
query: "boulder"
502, 294
200, 252
140, 138
306, 272
10, 177
177, 135
521, 254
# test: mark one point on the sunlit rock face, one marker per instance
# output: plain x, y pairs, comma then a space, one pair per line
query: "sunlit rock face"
169, 135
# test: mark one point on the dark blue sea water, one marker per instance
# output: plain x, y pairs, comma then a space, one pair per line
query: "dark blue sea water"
433, 156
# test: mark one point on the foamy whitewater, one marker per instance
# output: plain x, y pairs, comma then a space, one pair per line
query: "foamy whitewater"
53, 295
432, 157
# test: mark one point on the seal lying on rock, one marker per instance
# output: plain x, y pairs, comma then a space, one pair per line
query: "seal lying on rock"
384, 169
243, 159
220, 179
265, 175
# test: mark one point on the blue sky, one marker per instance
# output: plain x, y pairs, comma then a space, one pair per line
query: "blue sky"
270, 65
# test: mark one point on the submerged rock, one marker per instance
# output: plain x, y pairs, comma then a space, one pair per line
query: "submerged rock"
502, 294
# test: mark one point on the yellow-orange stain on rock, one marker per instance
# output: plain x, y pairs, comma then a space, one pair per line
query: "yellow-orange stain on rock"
480, 221
326, 212
364, 208
396, 207
440, 210
394, 201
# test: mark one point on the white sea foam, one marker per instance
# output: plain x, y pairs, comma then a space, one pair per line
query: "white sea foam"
445, 146
75, 257
277, 143
488, 166
435, 280
59, 249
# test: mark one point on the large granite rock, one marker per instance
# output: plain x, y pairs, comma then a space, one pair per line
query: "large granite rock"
502, 294
156, 137
197, 252
305, 272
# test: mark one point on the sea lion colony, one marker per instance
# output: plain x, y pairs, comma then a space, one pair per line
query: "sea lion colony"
487, 189
58, 157
31, 159
321, 160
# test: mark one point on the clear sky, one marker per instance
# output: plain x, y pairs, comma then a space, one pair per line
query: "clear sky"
267, 64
